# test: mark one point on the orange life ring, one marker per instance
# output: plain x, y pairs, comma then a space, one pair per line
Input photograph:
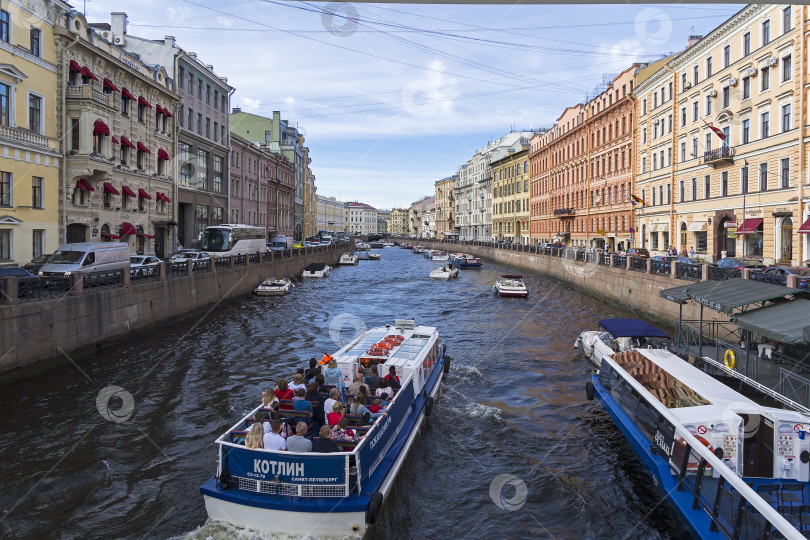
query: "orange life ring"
376, 352
693, 466
383, 345
396, 340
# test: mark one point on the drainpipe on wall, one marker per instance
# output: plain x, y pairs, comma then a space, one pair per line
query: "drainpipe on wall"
802, 122
673, 229
230, 149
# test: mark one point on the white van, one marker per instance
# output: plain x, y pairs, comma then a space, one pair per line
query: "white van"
280, 243
87, 257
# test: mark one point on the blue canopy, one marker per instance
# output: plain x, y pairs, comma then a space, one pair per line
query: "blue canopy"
631, 328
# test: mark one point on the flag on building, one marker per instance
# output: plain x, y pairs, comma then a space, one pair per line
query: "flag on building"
717, 131
636, 200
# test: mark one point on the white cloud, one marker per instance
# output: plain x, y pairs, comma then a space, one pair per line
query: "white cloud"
225, 21
249, 104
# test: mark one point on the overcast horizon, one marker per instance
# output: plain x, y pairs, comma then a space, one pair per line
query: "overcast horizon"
393, 97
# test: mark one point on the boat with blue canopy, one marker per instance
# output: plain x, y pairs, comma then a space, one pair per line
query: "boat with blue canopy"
616, 335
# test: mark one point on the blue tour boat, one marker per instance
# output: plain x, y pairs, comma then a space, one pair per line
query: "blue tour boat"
731, 456
338, 493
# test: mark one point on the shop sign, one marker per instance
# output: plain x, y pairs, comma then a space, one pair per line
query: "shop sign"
730, 225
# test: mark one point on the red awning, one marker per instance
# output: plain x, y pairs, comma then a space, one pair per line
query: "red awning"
113, 236
87, 73
127, 228
115, 141
164, 197
109, 188
74, 66
163, 154
126, 142
144, 194
142, 147
805, 228
142, 101
168, 113
128, 191
84, 185
100, 128
109, 84
749, 226
125, 94
159, 109
145, 235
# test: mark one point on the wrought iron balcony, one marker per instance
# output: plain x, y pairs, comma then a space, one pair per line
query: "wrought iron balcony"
719, 155
564, 212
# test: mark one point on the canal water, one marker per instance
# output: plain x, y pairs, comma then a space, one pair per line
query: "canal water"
512, 449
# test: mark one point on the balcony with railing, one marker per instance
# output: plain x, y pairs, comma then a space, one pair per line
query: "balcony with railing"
24, 136
719, 156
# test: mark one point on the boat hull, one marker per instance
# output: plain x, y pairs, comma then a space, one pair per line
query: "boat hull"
507, 293
279, 292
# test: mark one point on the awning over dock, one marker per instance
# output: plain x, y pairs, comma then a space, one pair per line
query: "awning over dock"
633, 328
787, 322
726, 296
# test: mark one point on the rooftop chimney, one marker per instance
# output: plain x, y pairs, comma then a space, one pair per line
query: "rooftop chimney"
169, 41
118, 23
692, 40
236, 110
192, 54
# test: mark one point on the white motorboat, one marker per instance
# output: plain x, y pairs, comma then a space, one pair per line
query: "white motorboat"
362, 246
373, 256
348, 259
619, 335
511, 285
436, 255
316, 270
274, 287
447, 271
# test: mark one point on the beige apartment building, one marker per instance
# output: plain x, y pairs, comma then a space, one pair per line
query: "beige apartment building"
445, 206
510, 193
398, 221
742, 193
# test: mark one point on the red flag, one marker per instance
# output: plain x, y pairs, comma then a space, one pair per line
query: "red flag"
716, 130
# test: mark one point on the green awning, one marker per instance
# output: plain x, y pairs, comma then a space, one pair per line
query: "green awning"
787, 322
726, 296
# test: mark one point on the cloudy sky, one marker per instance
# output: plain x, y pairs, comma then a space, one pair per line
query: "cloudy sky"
392, 97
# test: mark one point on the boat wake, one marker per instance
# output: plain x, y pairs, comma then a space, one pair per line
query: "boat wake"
476, 410
219, 530
465, 373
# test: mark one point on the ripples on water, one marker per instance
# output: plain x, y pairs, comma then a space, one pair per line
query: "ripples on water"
513, 404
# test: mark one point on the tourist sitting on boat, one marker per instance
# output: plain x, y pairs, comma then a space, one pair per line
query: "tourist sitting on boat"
384, 388
392, 379
261, 419
372, 380
299, 442
282, 392
298, 382
329, 403
334, 376
319, 378
359, 407
337, 413
301, 404
341, 433
313, 396
376, 406
274, 440
313, 371
268, 398
255, 437
325, 444
358, 385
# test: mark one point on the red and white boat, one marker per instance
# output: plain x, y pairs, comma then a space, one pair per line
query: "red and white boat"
511, 285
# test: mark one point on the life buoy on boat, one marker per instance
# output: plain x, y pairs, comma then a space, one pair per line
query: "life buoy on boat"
376, 352
395, 339
383, 345
730, 359
374, 504
693, 466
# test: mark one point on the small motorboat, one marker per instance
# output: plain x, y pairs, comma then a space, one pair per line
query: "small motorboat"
316, 270
377, 244
274, 287
464, 260
373, 256
511, 285
446, 271
418, 249
436, 255
362, 246
348, 258
619, 335
406, 246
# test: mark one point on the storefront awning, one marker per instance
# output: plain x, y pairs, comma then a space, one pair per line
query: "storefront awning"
142, 101
786, 322
163, 154
127, 191
128, 229
659, 226
165, 197
126, 142
87, 73
805, 228
726, 296
74, 66
109, 188
144, 194
750, 226
146, 235
115, 141
697, 226
113, 236
100, 128
126, 94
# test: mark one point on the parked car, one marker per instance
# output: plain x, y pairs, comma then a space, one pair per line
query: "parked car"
189, 255
143, 265
737, 263
688, 260
87, 257
638, 252
778, 274
663, 258
37, 263
15, 271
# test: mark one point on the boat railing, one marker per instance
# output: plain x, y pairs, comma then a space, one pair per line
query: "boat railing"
735, 509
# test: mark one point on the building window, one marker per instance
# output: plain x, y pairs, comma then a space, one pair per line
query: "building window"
222, 131
682, 191
694, 189
707, 187
5, 243
190, 119
708, 147
766, 32
708, 67
708, 105
202, 169
141, 203
124, 154
98, 143
202, 217
199, 88
216, 99
786, 117
191, 84
787, 68
124, 105
38, 242
5, 188
643, 107
74, 134
36, 42
199, 124
763, 177
746, 87
683, 116
764, 78
219, 166
726, 56
694, 147
216, 132
683, 152
695, 111
764, 120
784, 172
217, 215
787, 20
744, 180
746, 44
4, 26
184, 155
5, 104
643, 164
181, 75
695, 74
208, 127
724, 184
683, 80
141, 157
208, 94
726, 96
35, 113
746, 130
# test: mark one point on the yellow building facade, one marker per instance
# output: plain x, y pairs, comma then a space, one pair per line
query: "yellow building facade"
722, 157
398, 221
510, 195
30, 153
445, 208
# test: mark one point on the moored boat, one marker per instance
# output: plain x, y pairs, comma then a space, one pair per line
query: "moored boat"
316, 270
373, 256
729, 455
511, 285
437, 255
274, 287
617, 335
377, 244
348, 259
362, 246
338, 493
447, 271
465, 260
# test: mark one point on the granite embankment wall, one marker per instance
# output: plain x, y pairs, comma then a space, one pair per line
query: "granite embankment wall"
635, 290
33, 331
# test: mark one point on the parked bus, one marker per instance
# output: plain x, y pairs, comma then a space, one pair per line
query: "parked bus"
230, 239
